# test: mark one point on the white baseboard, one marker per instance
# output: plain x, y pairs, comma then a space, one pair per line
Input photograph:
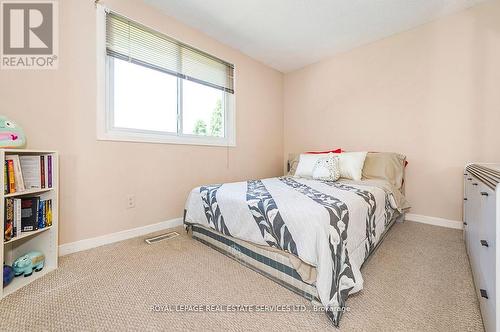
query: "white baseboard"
69, 248
434, 221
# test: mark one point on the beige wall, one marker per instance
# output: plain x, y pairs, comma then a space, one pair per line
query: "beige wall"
58, 111
432, 93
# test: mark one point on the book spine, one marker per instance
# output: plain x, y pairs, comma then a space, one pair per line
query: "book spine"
17, 215
49, 170
12, 181
49, 213
40, 220
9, 219
14, 218
29, 217
6, 177
42, 170
35, 214
44, 213
18, 173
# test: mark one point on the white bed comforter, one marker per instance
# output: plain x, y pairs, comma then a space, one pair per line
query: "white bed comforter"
333, 226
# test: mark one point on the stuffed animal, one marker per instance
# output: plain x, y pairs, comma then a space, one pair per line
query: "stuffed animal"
8, 275
11, 135
25, 264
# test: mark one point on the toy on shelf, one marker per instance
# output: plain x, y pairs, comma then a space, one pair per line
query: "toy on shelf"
11, 135
8, 275
25, 264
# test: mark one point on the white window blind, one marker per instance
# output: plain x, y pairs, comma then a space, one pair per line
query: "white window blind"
133, 42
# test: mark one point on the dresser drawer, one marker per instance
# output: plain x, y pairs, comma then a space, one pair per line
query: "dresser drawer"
482, 236
467, 202
473, 231
487, 257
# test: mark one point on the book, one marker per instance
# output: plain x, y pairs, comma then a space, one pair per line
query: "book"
29, 211
17, 216
49, 170
40, 222
9, 219
46, 170
44, 214
42, 170
14, 224
10, 171
5, 177
18, 174
30, 166
48, 221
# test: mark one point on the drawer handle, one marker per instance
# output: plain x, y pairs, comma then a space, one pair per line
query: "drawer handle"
484, 193
484, 293
469, 179
465, 198
484, 243
474, 184
465, 223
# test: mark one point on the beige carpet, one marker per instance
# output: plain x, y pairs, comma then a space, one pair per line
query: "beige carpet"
419, 279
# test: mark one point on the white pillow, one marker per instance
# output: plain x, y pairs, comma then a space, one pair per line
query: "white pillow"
327, 168
351, 164
306, 165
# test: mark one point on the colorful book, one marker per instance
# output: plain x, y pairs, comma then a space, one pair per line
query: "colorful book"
9, 219
49, 170
14, 225
12, 181
29, 219
6, 177
41, 214
18, 174
48, 221
42, 170
17, 216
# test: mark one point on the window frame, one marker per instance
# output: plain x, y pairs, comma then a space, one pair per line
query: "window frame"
107, 132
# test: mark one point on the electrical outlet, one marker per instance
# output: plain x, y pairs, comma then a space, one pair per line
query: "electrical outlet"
130, 201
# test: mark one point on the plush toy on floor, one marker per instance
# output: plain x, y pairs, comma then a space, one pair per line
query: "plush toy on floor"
8, 275
11, 135
25, 264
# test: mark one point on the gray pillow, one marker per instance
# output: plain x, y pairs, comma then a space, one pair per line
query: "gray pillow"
385, 165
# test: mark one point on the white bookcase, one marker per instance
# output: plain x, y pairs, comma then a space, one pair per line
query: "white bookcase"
44, 240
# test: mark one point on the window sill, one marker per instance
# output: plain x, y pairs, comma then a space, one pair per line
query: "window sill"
164, 139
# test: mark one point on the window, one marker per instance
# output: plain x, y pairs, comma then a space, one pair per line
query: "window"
161, 90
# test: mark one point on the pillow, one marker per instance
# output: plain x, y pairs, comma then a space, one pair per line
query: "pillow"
293, 160
351, 164
322, 152
306, 165
385, 165
327, 168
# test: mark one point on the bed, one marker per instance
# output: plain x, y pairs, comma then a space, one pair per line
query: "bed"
310, 236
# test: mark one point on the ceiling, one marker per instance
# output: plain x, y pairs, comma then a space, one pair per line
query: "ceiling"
290, 34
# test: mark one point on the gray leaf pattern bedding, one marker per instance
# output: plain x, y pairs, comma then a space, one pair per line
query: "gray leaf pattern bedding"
370, 215
211, 207
267, 216
342, 277
330, 225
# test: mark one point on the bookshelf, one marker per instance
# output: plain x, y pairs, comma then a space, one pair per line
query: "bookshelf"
45, 239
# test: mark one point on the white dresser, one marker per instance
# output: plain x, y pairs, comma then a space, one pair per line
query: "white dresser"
482, 237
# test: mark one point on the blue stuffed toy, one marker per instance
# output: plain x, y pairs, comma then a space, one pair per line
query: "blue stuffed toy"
8, 275
11, 135
24, 265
